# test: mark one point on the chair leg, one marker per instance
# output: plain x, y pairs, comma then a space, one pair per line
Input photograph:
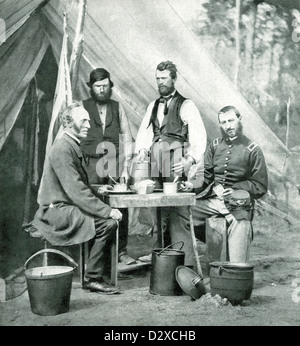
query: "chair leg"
45, 257
114, 259
82, 254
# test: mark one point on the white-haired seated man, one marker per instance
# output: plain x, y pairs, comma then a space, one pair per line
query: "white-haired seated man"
69, 211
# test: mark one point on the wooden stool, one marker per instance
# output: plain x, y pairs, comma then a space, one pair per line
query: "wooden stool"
83, 247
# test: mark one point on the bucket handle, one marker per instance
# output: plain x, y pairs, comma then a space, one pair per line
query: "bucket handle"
182, 243
230, 271
53, 251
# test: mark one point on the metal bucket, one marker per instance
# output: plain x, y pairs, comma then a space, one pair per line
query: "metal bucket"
49, 287
164, 263
233, 281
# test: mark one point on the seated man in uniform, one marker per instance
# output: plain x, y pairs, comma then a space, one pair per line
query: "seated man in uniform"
69, 212
235, 174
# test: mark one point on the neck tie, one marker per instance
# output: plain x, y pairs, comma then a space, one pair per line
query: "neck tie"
165, 100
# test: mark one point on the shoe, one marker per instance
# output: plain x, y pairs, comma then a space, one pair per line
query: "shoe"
101, 287
125, 259
146, 259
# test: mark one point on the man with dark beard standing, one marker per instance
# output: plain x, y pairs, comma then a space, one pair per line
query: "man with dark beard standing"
108, 145
235, 174
172, 133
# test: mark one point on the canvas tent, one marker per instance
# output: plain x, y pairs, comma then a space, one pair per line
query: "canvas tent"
128, 38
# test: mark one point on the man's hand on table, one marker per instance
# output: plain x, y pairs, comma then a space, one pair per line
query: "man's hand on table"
124, 176
186, 186
104, 188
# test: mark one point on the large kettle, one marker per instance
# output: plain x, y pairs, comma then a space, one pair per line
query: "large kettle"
140, 170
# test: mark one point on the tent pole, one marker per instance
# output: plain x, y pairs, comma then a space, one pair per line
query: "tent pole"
30, 142
288, 103
237, 43
77, 46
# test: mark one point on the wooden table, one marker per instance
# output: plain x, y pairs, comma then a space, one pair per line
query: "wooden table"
157, 200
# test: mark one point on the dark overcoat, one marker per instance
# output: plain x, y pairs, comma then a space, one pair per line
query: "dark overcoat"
67, 205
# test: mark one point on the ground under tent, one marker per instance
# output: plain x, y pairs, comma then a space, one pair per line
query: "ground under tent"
28, 70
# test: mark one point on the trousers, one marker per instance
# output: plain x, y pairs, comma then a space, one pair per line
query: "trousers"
176, 221
98, 262
239, 232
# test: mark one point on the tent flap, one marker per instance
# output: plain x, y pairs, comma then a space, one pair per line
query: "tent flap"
129, 38
27, 45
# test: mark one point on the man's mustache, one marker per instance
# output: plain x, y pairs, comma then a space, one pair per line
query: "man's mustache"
95, 96
239, 130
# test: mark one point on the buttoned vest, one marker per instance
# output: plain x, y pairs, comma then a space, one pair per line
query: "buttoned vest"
172, 128
95, 133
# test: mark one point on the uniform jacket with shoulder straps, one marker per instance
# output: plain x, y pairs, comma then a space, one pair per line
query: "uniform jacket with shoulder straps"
237, 164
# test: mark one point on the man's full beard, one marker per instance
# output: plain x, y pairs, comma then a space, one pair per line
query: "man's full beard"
239, 131
165, 91
101, 100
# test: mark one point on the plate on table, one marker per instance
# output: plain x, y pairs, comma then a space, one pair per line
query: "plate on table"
112, 192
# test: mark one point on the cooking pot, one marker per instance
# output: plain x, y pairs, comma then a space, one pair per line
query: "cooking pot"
233, 281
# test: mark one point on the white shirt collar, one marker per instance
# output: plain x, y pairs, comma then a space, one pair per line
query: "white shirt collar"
172, 94
72, 136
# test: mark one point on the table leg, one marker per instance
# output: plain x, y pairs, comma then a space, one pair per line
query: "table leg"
115, 258
194, 241
160, 238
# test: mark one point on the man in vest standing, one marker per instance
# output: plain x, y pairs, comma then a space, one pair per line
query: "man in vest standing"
235, 174
173, 135
108, 145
